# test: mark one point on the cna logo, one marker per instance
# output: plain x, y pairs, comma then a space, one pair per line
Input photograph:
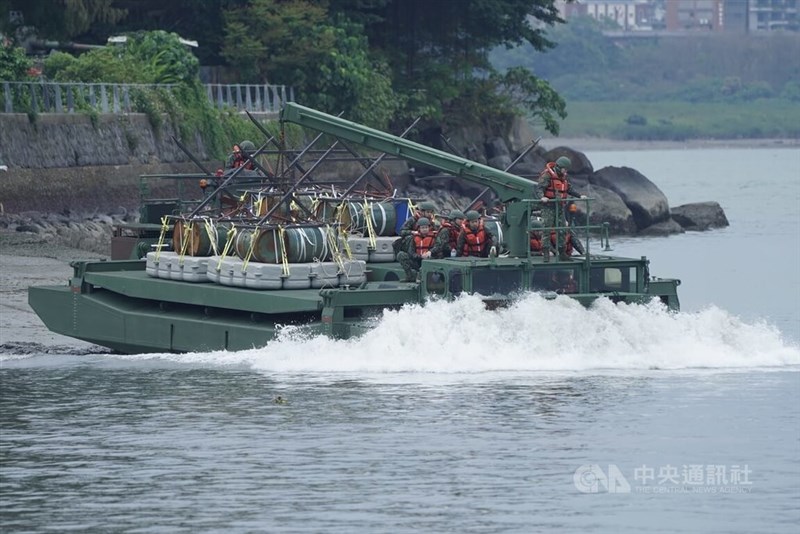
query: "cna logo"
592, 479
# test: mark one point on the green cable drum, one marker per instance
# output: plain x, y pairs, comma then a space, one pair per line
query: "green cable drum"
307, 244
199, 242
383, 214
303, 245
325, 209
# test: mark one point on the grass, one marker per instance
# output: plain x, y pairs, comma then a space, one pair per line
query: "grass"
670, 120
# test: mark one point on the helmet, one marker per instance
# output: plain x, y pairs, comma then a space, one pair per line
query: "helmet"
427, 205
563, 162
247, 146
423, 221
473, 215
457, 214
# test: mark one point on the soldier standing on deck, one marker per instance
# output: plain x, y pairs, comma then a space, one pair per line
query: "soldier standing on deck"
555, 190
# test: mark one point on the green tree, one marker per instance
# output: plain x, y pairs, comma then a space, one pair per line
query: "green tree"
65, 19
327, 62
13, 63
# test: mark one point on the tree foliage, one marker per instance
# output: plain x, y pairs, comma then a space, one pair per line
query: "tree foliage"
411, 57
147, 57
66, 19
374, 60
13, 63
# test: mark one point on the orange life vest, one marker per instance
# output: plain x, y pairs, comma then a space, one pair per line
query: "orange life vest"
424, 243
536, 242
475, 241
558, 185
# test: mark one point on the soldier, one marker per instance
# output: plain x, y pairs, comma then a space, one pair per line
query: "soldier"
425, 209
447, 236
420, 246
556, 187
474, 239
238, 157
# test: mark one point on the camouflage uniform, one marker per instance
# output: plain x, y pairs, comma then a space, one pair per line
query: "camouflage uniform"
549, 219
441, 249
410, 225
410, 261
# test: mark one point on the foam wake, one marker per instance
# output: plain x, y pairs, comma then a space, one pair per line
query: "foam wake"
534, 334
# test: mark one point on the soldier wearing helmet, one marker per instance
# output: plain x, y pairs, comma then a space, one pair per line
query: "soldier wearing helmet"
474, 239
424, 209
555, 190
447, 236
421, 245
238, 157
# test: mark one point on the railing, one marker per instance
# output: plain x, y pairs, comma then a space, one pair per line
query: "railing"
579, 231
52, 97
264, 98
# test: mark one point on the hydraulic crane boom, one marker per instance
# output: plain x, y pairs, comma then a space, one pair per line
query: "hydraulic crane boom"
509, 188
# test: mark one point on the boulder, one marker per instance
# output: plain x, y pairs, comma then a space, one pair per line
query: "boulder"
500, 162
580, 163
667, 227
606, 206
700, 216
646, 201
495, 147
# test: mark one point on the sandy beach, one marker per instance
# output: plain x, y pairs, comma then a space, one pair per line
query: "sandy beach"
25, 260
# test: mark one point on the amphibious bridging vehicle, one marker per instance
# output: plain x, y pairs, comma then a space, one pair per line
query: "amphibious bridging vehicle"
231, 282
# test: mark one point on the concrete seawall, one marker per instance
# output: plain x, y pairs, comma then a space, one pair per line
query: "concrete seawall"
74, 162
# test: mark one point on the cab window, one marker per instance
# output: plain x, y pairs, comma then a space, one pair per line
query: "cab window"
558, 280
612, 279
496, 281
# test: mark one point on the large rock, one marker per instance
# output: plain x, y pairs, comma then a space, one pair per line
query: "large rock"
496, 146
646, 201
700, 216
580, 163
606, 206
667, 227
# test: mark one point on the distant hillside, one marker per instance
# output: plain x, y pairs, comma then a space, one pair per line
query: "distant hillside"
585, 65
711, 85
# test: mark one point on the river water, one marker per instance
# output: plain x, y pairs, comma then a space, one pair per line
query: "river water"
540, 417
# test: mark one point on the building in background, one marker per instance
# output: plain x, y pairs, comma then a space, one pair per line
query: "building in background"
629, 15
678, 16
771, 15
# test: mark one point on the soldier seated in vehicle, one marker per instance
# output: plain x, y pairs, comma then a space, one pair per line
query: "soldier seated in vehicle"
474, 239
421, 245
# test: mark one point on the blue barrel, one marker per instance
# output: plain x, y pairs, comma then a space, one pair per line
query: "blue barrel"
403, 213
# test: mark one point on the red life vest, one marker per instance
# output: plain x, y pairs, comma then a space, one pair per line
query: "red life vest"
452, 234
422, 243
558, 185
239, 161
536, 242
475, 241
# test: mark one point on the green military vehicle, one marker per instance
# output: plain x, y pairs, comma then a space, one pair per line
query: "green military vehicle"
223, 288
